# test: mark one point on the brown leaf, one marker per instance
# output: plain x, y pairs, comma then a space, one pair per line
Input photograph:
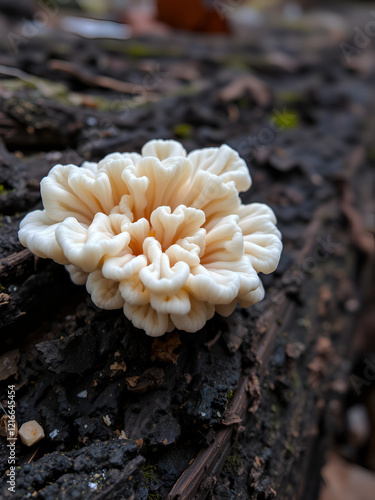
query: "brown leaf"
162, 349
131, 382
345, 481
294, 350
115, 367
4, 299
246, 83
194, 15
230, 418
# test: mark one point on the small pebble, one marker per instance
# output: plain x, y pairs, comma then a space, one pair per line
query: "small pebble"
54, 433
107, 420
91, 121
31, 432
54, 155
352, 305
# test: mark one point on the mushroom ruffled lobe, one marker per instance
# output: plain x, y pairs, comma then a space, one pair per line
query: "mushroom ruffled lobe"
163, 235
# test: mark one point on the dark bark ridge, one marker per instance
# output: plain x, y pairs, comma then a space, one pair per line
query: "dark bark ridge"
234, 410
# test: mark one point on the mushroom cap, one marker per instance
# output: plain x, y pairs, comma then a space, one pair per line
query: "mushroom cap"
163, 235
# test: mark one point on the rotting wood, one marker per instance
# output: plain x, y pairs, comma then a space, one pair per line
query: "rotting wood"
295, 173
9, 264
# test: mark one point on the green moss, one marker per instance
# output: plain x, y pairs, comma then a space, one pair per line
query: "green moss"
3, 190
234, 461
229, 396
183, 130
144, 50
285, 119
150, 474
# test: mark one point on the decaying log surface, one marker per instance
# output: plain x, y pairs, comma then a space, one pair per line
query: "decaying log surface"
241, 409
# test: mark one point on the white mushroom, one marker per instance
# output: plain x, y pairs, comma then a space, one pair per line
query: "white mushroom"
164, 235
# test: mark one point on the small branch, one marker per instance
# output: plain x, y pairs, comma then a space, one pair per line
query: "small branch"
8, 264
189, 482
92, 79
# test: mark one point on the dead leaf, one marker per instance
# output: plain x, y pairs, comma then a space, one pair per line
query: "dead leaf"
115, 367
294, 350
4, 299
192, 16
131, 381
230, 418
246, 83
162, 348
345, 481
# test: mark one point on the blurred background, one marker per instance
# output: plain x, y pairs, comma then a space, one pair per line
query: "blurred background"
293, 60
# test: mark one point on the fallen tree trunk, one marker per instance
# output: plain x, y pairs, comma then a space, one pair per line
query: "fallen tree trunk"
240, 409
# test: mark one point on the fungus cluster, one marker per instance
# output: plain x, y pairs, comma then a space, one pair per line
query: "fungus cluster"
163, 235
